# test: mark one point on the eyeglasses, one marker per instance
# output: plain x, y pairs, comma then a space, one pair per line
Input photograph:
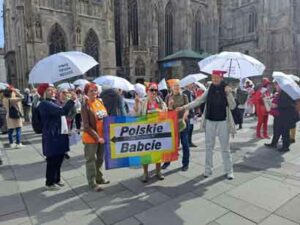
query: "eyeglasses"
153, 90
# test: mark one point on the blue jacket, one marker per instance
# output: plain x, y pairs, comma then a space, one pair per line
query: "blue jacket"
53, 142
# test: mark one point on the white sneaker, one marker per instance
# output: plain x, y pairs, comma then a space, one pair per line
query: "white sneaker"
52, 187
12, 145
19, 145
230, 176
60, 184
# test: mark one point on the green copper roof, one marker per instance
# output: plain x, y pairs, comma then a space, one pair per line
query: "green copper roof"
186, 53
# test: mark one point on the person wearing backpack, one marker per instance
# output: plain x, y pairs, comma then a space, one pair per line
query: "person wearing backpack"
12, 104
241, 99
55, 141
174, 100
27, 103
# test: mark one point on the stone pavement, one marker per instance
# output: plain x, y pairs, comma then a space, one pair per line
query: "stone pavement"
266, 189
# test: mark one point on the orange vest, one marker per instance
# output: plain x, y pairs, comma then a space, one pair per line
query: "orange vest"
96, 107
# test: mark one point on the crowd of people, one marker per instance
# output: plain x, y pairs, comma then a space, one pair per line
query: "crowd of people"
58, 113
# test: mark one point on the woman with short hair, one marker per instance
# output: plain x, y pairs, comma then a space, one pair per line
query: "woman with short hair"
13, 99
92, 112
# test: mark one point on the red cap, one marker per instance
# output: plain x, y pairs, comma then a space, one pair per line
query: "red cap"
42, 88
219, 73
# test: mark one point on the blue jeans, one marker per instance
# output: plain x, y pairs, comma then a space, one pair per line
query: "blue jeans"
190, 128
18, 135
185, 147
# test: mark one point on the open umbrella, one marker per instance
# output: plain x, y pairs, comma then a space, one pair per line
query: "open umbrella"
287, 84
192, 78
68, 86
162, 85
61, 66
201, 86
295, 78
3, 86
236, 64
114, 82
81, 83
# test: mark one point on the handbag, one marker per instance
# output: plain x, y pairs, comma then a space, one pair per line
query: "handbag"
13, 112
74, 138
267, 102
64, 125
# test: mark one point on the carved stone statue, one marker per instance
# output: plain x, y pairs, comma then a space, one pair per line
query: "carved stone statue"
38, 30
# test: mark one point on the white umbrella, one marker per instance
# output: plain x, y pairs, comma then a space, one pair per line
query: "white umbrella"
68, 86
81, 83
236, 64
201, 86
287, 84
3, 86
114, 82
295, 78
192, 78
140, 89
162, 85
61, 66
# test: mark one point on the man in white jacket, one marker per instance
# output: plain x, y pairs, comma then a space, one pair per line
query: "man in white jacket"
217, 121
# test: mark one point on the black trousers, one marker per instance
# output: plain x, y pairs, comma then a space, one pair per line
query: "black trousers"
53, 169
241, 116
190, 129
281, 129
78, 121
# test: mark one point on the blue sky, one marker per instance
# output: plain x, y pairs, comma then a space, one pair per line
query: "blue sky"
1, 25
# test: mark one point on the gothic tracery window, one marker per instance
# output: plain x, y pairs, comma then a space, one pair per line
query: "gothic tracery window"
198, 27
133, 22
140, 68
169, 28
91, 47
57, 42
252, 22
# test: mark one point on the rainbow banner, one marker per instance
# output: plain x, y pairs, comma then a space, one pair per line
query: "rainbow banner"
134, 141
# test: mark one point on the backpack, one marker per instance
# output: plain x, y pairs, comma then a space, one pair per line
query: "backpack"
241, 96
36, 121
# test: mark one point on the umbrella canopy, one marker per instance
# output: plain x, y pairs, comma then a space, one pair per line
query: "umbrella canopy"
114, 82
140, 89
162, 85
287, 84
192, 78
295, 78
68, 86
201, 86
3, 86
236, 64
61, 66
81, 83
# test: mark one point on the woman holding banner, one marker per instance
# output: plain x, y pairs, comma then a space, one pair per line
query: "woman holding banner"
93, 111
153, 103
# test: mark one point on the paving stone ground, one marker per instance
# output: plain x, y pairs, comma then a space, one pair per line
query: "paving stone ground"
265, 191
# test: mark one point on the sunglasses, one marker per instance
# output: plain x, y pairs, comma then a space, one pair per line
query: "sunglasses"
153, 90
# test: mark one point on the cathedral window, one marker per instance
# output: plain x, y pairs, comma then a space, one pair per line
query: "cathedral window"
91, 47
133, 22
169, 29
57, 42
140, 68
198, 26
117, 9
252, 22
